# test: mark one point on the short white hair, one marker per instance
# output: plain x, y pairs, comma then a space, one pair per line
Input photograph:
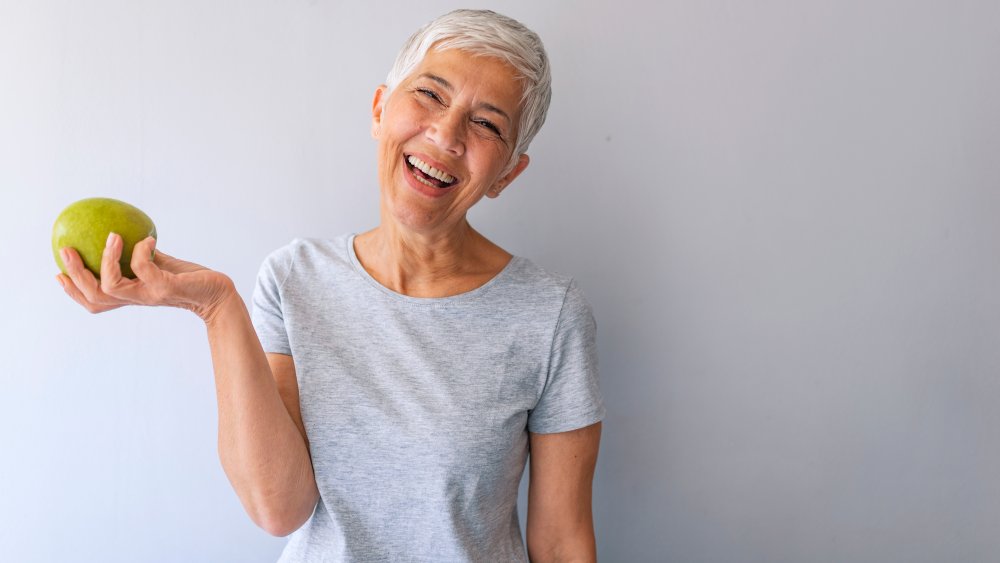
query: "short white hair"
487, 33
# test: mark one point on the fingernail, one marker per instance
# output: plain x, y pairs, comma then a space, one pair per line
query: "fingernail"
61, 282
111, 239
64, 254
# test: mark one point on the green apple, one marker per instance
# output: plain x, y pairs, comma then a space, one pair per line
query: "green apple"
85, 226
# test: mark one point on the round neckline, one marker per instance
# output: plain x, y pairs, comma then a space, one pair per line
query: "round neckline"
361, 271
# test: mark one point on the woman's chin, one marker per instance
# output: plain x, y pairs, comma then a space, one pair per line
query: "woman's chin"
413, 216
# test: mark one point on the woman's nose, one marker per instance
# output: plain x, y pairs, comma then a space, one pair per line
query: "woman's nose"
446, 131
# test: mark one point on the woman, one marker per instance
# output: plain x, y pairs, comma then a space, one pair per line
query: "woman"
382, 401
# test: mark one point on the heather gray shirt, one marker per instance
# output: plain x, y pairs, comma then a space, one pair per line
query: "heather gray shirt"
417, 409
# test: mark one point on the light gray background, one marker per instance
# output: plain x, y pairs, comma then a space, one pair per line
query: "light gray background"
785, 214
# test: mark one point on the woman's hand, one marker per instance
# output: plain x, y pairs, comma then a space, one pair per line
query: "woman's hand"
160, 281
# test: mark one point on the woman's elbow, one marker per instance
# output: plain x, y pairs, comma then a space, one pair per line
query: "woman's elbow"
281, 523
277, 527
282, 518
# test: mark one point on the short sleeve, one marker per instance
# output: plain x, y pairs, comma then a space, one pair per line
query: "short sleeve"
571, 397
268, 318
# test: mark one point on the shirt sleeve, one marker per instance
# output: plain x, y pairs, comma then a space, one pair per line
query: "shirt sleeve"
268, 317
571, 397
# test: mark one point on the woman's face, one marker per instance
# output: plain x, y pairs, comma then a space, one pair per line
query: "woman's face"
445, 135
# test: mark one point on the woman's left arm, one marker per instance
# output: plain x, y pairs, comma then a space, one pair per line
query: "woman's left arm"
560, 523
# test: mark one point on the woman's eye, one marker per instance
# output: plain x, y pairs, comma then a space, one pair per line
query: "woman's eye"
489, 125
429, 93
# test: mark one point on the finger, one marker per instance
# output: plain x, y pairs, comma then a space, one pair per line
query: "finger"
113, 283
163, 261
152, 283
82, 278
170, 265
143, 261
111, 270
160, 257
70, 288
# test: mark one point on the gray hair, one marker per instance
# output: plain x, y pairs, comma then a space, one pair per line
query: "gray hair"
487, 33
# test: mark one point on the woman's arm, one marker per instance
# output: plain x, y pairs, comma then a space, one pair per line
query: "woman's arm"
560, 524
262, 444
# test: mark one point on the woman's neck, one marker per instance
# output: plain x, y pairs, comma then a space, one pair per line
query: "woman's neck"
429, 265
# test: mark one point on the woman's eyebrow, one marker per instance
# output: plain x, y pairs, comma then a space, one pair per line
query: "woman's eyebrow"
492, 108
485, 105
447, 85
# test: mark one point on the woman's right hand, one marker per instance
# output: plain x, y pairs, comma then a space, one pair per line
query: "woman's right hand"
161, 280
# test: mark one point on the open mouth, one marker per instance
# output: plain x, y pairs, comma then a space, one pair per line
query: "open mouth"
429, 175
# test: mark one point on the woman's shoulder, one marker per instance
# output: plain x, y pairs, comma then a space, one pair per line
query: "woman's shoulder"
524, 270
526, 278
304, 255
311, 249
533, 295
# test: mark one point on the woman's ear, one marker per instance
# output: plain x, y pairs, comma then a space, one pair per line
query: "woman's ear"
522, 163
378, 104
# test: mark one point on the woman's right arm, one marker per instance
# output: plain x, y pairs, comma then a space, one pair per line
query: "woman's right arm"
262, 443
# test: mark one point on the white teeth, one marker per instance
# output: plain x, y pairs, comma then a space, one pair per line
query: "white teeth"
422, 181
429, 170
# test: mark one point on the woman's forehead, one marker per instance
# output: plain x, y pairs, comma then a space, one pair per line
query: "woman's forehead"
457, 69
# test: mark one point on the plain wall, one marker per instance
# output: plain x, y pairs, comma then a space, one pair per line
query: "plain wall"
784, 213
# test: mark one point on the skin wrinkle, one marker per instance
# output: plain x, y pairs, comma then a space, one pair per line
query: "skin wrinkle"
486, 105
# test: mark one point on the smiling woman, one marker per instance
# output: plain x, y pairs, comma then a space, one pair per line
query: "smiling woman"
382, 401
445, 137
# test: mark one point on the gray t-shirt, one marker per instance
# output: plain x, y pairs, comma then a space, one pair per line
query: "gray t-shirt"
418, 409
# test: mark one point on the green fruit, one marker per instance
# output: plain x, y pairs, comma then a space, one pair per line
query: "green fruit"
85, 226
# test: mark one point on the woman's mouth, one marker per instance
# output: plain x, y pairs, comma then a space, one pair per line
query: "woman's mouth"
427, 174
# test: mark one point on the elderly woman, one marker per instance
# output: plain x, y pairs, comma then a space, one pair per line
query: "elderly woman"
381, 402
